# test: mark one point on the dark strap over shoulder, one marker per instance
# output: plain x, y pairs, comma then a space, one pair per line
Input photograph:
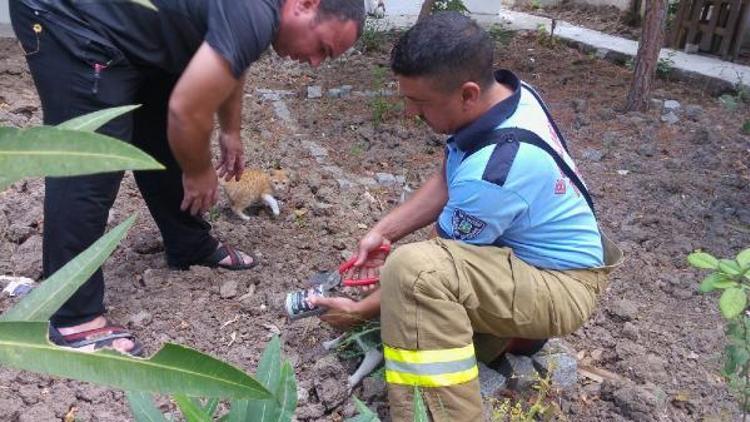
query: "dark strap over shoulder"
526, 136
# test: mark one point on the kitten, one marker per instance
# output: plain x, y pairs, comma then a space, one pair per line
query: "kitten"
255, 187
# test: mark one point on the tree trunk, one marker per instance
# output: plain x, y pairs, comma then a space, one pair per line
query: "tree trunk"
652, 38
426, 9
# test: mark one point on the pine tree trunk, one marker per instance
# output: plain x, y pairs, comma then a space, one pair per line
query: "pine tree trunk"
652, 38
426, 9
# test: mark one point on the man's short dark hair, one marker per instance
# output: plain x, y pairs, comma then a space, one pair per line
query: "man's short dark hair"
343, 10
447, 46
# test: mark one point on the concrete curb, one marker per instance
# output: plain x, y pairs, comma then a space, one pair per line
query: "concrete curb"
6, 31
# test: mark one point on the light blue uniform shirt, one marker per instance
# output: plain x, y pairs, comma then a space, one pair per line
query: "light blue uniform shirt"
515, 195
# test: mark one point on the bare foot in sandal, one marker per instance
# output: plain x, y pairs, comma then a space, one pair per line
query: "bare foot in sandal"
96, 334
230, 258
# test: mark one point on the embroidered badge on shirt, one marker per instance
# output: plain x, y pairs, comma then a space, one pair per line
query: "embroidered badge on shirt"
465, 226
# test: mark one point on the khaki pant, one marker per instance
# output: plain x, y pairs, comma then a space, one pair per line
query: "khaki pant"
438, 294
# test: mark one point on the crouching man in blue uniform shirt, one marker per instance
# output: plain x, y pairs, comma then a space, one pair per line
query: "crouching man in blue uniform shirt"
519, 256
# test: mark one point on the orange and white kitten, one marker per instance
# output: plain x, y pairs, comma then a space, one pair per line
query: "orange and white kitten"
255, 187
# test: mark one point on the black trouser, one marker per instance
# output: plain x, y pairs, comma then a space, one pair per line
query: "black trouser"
62, 59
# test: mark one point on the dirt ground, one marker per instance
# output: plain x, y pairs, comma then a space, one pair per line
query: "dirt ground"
662, 190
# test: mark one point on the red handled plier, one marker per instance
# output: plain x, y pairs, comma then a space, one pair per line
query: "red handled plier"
346, 266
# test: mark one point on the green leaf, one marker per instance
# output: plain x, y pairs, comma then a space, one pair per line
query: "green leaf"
191, 411
269, 375
743, 259
420, 411
93, 121
50, 151
715, 281
211, 406
173, 370
703, 260
365, 414
143, 408
46, 299
729, 266
732, 302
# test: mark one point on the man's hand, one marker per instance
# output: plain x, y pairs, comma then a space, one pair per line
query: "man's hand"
199, 191
369, 260
232, 156
343, 313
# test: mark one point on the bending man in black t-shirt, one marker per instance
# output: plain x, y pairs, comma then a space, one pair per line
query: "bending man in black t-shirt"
184, 63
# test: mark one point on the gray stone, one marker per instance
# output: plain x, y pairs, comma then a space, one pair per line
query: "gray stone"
141, 319
630, 330
316, 150
657, 103
228, 290
647, 149
491, 382
27, 260
18, 233
580, 105
335, 93
580, 121
346, 90
314, 91
593, 155
624, 309
561, 367
640, 402
373, 388
385, 179
601, 53
693, 112
671, 105
670, 118
282, 111
520, 372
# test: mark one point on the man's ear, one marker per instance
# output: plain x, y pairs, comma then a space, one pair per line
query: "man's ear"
306, 6
470, 94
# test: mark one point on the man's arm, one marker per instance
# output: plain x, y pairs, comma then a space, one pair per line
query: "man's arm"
204, 87
230, 120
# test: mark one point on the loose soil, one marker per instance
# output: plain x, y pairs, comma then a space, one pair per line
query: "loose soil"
662, 191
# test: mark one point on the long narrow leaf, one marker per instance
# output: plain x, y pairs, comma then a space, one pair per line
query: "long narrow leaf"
174, 369
191, 411
93, 121
211, 406
420, 411
51, 151
269, 375
46, 299
286, 394
143, 408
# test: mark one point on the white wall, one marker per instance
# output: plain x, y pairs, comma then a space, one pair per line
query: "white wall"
4, 15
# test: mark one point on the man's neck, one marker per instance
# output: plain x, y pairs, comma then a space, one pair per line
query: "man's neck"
494, 95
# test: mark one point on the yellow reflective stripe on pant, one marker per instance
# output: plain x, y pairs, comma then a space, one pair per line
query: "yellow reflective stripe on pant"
430, 368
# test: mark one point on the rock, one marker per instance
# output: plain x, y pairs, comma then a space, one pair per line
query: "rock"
330, 382
593, 155
580, 105
27, 260
601, 53
657, 103
18, 233
303, 392
314, 91
647, 149
316, 150
671, 105
141, 319
519, 372
580, 121
3, 224
373, 388
282, 111
313, 411
624, 309
491, 382
702, 136
693, 112
385, 179
606, 113
630, 330
670, 118
611, 139
147, 243
228, 290
561, 367
639, 402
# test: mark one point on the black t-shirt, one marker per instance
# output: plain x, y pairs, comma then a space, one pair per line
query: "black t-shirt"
239, 30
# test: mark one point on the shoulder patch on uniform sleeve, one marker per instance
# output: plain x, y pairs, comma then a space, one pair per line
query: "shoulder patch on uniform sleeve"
465, 226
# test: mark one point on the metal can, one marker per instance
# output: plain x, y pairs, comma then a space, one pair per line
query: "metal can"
297, 306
